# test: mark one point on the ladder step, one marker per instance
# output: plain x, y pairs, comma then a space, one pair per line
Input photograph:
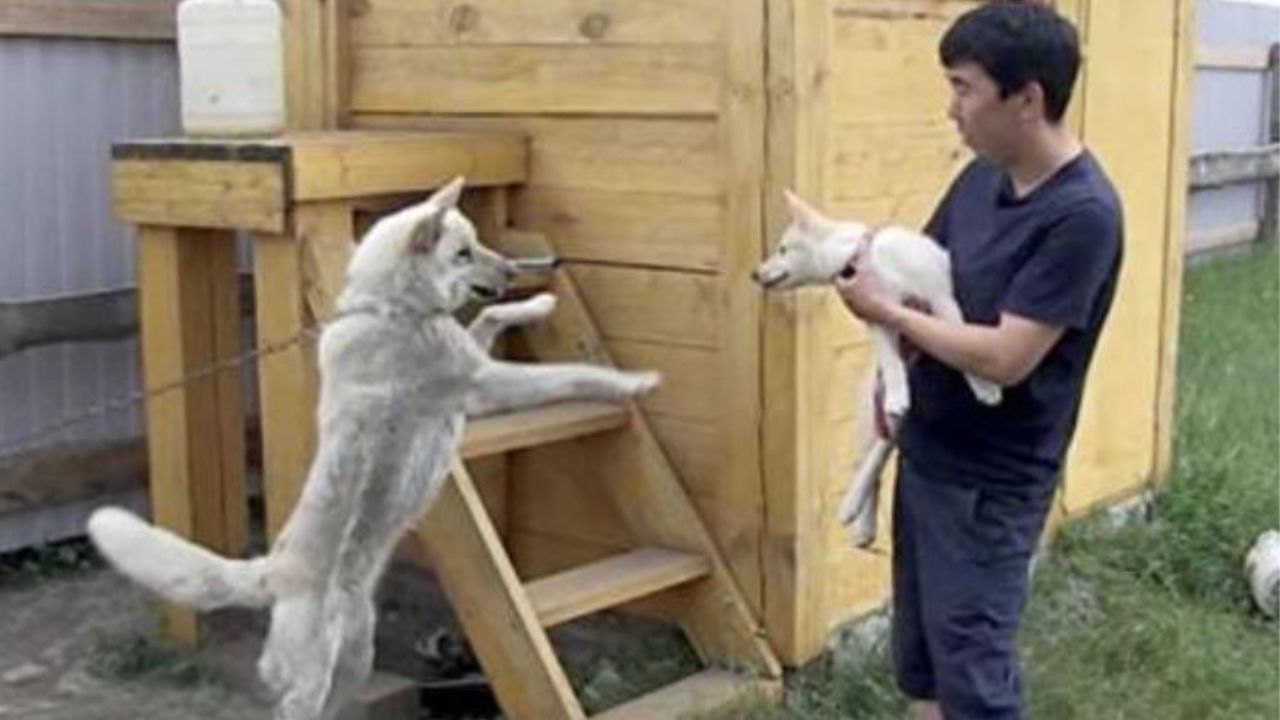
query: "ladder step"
540, 426
710, 691
610, 582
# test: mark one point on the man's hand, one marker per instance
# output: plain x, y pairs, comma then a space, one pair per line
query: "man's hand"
865, 296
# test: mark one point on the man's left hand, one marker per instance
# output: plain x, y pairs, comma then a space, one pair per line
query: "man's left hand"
865, 295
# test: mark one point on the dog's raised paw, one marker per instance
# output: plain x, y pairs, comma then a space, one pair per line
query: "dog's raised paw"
642, 383
541, 305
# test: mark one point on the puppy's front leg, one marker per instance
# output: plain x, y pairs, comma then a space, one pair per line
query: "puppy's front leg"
494, 319
503, 386
987, 392
893, 371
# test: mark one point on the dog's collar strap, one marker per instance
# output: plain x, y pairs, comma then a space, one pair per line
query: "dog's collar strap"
872, 232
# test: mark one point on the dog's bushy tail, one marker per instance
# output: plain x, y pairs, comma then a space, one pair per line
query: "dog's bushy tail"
175, 568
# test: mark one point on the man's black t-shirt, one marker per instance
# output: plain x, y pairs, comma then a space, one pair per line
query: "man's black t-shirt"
1052, 256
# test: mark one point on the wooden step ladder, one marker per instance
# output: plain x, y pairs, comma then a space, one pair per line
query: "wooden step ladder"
674, 554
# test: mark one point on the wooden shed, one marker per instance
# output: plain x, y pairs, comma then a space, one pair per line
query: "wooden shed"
661, 134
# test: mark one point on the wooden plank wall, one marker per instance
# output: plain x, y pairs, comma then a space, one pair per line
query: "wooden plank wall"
646, 141
1116, 446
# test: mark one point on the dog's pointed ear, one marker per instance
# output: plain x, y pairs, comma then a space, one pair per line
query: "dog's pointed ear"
426, 230
447, 196
803, 213
429, 215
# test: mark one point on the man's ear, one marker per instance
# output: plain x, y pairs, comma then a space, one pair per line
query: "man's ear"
1033, 101
804, 214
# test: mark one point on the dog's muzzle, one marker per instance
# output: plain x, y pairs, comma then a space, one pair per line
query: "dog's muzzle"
770, 282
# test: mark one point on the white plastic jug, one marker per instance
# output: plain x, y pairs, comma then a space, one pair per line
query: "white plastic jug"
231, 67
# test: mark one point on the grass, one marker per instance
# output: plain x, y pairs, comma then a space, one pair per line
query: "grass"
1151, 620
26, 567
613, 675
137, 657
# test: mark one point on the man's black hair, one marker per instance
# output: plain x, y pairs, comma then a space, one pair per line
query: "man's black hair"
1018, 42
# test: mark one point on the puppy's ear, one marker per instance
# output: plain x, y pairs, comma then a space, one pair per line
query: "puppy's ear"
804, 214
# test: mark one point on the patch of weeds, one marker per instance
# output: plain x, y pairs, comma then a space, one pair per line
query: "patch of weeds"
135, 657
25, 567
606, 679
854, 681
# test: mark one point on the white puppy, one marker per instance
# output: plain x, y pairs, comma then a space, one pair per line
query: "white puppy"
814, 251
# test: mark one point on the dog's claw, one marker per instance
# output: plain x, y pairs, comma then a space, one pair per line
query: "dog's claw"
643, 383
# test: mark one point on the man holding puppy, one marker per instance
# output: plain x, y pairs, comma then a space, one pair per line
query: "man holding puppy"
1034, 230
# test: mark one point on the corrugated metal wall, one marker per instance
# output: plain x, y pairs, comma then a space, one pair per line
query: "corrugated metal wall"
1229, 106
62, 103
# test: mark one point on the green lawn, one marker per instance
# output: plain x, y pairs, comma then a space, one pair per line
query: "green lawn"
1152, 620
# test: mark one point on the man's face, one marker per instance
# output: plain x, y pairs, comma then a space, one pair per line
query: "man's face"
988, 124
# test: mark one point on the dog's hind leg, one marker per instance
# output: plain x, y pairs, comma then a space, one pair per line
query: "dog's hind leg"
358, 621
897, 394
293, 658
859, 506
494, 319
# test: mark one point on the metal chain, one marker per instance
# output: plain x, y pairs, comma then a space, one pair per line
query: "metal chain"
34, 438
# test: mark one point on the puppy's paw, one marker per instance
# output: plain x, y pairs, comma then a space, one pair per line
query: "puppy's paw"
849, 507
861, 535
896, 406
988, 393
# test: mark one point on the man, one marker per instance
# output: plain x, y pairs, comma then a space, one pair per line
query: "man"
1033, 227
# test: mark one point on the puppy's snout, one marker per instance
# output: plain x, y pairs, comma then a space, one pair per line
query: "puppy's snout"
755, 276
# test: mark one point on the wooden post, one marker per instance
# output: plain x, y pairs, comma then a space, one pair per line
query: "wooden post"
1271, 203
287, 378
297, 279
316, 68
195, 443
1175, 236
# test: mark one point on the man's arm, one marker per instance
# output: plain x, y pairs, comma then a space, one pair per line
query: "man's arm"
1054, 290
1004, 354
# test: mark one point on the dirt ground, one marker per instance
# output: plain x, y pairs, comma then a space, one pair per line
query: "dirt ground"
51, 632
84, 646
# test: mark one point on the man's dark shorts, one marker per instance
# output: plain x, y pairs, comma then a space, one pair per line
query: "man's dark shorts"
961, 556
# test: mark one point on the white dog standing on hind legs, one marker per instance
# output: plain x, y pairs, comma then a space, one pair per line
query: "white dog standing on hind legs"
815, 250
398, 375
